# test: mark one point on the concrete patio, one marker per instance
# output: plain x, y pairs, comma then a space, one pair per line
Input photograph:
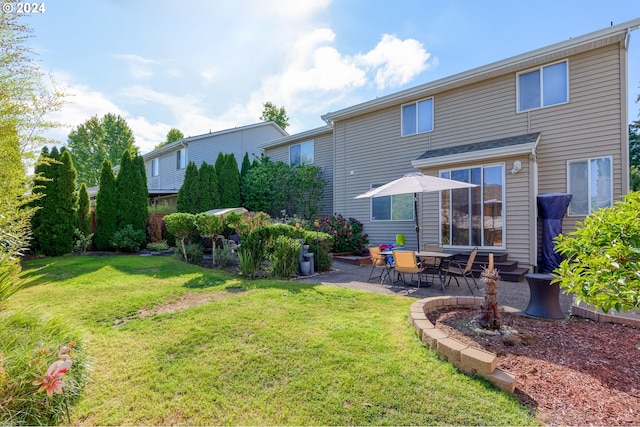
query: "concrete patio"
513, 296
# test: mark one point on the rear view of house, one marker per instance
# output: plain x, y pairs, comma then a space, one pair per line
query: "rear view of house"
551, 120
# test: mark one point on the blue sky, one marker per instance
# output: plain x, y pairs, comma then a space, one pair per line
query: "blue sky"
203, 66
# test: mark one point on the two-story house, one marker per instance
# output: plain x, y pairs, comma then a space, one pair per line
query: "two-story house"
166, 166
550, 120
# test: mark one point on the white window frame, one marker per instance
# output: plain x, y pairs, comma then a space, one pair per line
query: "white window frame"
570, 213
155, 167
417, 118
391, 219
503, 212
541, 103
302, 145
181, 159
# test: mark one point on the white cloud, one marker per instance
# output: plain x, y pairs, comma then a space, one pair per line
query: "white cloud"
139, 67
396, 62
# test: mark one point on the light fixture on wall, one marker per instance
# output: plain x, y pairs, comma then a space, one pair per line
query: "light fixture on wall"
517, 165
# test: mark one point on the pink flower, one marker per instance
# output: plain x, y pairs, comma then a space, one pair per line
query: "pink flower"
52, 379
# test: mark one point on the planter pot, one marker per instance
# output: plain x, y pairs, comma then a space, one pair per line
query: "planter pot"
544, 297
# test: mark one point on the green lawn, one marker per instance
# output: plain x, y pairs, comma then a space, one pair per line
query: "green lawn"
261, 352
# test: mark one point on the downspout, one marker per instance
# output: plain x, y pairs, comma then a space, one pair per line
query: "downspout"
533, 210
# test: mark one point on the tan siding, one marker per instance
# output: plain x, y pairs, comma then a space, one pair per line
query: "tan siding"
589, 125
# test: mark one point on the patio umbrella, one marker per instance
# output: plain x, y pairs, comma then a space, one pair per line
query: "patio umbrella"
415, 182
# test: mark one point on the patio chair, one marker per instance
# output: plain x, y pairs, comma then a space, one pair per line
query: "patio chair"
378, 261
405, 262
457, 269
431, 265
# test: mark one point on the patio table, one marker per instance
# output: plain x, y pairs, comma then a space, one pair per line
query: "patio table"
440, 257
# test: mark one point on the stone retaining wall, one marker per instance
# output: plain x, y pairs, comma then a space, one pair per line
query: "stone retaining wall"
471, 360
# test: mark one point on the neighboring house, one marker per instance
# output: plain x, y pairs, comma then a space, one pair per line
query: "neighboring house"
166, 165
313, 147
551, 120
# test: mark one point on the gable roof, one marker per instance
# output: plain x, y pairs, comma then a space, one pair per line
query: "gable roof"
186, 141
513, 145
613, 34
309, 134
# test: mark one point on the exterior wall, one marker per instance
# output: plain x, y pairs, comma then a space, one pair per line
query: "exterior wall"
205, 148
369, 148
323, 158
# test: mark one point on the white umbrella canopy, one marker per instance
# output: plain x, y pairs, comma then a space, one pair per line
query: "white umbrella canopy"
415, 182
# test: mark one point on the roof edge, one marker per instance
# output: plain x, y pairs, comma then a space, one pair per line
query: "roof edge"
469, 76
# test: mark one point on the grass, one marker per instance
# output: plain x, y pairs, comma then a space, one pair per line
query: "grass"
261, 352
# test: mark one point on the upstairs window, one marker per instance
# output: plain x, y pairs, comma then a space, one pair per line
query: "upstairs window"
417, 117
154, 166
302, 153
543, 87
181, 158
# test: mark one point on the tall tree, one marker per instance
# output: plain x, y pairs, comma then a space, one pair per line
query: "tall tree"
634, 145
204, 182
55, 222
142, 192
83, 221
172, 136
272, 113
219, 166
246, 165
27, 96
106, 207
189, 193
132, 197
229, 183
98, 139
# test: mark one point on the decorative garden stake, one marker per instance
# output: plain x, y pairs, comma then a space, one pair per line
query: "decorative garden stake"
490, 316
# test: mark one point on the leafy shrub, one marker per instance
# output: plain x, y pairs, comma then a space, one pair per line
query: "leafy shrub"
162, 207
182, 227
603, 257
28, 345
158, 246
128, 240
194, 252
225, 257
347, 233
9, 280
81, 242
248, 264
285, 257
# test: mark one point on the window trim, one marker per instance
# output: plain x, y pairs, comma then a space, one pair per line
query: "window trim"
588, 160
300, 144
540, 68
433, 107
371, 218
482, 166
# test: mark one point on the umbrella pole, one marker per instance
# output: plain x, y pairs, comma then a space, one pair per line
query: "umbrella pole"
415, 214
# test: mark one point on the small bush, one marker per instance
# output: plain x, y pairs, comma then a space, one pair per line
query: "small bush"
81, 242
128, 240
158, 246
248, 263
162, 207
28, 346
225, 258
602, 257
285, 257
194, 252
347, 233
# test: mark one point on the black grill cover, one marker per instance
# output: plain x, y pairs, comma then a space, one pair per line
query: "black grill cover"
551, 208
